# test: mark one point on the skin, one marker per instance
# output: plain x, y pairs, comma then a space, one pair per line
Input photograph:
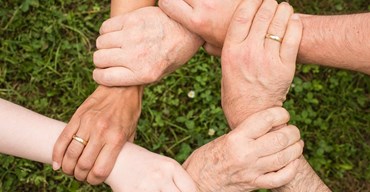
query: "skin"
245, 67
259, 153
264, 149
347, 49
256, 68
105, 134
279, 58
162, 45
136, 168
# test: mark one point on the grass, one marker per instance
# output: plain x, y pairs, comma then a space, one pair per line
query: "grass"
46, 62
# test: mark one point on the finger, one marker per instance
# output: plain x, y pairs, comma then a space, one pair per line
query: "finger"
87, 159
262, 20
278, 26
242, 20
279, 178
212, 50
103, 164
114, 57
63, 141
178, 10
116, 76
110, 40
276, 141
74, 151
183, 181
281, 159
291, 41
261, 122
113, 24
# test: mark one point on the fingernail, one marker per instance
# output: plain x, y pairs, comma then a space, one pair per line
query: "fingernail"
56, 166
295, 17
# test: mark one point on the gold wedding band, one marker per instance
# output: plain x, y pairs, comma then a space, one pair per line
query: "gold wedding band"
274, 37
79, 139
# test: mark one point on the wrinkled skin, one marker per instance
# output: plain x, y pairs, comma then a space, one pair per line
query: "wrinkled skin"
257, 71
141, 47
107, 119
257, 154
209, 19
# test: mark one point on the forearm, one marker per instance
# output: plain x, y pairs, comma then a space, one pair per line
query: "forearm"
26, 134
123, 6
306, 180
340, 41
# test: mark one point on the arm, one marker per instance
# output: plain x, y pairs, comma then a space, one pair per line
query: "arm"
246, 64
26, 134
306, 180
339, 41
107, 119
335, 41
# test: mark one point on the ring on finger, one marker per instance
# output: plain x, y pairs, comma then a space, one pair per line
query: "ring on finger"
79, 139
274, 37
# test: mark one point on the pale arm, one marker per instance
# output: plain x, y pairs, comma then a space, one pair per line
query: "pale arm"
340, 41
26, 134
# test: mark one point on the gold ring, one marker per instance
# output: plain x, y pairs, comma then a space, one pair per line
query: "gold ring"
79, 139
274, 37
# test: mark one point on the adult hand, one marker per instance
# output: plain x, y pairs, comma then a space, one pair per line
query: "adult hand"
257, 71
138, 169
209, 19
141, 47
107, 119
257, 154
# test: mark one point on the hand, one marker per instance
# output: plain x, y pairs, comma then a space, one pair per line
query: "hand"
138, 169
209, 19
252, 156
141, 47
107, 119
257, 71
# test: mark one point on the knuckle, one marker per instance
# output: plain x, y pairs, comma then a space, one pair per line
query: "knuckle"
170, 165
100, 172
102, 124
242, 16
198, 21
164, 3
281, 159
268, 117
119, 139
280, 139
84, 165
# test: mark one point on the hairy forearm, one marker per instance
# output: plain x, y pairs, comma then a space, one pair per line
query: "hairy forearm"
122, 6
306, 180
340, 41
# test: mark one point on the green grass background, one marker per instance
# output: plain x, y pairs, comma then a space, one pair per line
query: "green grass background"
46, 63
